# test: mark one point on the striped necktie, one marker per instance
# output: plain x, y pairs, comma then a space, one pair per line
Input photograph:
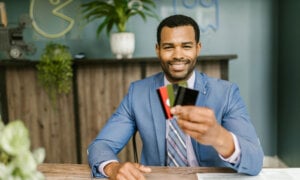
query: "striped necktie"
176, 143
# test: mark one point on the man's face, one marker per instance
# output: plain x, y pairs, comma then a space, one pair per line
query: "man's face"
178, 51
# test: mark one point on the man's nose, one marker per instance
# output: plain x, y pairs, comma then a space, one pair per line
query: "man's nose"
178, 53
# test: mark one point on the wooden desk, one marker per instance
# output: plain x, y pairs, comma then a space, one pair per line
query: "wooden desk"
82, 172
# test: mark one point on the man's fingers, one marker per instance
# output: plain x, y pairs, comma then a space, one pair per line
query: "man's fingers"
184, 112
180, 112
193, 113
176, 110
138, 171
136, 174
197, 127
130, 170
143, 168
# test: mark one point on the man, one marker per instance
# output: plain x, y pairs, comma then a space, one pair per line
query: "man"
218, 128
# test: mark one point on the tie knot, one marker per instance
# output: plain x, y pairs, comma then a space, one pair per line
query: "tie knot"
175, 88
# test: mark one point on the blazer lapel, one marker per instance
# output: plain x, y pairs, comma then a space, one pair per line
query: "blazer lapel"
201, 85
158, 117
203, 88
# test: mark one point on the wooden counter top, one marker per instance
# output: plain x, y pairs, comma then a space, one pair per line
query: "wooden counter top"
82, 172
26, 62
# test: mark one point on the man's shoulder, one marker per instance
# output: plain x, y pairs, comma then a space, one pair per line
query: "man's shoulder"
205, 79
149, 80
207, 83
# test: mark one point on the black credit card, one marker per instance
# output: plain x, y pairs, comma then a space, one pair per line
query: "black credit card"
186, 96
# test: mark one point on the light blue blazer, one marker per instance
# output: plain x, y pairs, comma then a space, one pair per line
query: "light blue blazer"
140, 110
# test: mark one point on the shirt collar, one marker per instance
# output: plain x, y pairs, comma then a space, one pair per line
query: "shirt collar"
190, 81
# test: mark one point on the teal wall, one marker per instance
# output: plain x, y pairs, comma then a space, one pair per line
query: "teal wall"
246, 28
289, 83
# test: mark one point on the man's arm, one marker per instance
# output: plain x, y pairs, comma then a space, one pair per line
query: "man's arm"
112, 137
235, 157
201, 124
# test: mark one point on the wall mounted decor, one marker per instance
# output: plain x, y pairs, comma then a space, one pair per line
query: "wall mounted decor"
46, 13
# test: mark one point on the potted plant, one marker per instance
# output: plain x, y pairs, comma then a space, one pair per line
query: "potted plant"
55, 70
117, 13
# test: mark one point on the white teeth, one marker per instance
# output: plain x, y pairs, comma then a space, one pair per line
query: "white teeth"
178, 66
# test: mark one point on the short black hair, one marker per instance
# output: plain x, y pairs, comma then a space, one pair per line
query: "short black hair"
175, 21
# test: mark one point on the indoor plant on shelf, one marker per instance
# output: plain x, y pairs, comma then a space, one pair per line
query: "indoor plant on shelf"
117, 13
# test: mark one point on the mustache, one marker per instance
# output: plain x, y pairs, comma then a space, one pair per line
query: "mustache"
174, 61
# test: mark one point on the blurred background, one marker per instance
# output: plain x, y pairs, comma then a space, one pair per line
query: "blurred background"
264, 34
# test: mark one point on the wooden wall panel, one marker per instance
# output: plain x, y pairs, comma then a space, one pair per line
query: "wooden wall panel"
100, 91
131, 72
99, 87
50, 128
216, 69
211, 69
152, 69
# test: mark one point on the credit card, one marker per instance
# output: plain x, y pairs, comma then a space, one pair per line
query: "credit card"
186, 96
164, 100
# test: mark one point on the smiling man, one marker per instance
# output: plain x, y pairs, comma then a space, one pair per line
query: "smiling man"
177, 49
216, 132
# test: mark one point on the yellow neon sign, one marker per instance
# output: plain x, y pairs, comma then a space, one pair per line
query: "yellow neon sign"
56, 13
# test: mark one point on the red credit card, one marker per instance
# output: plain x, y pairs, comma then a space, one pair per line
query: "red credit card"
164, 100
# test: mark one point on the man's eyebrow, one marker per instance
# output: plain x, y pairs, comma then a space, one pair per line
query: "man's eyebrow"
170, 43
167, 44
187, 42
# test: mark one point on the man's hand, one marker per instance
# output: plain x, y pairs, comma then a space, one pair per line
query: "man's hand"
201, 124
128, 170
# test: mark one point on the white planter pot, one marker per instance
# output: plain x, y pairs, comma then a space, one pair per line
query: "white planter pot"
122, 44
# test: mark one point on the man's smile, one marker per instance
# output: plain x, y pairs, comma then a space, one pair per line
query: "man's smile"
178, 65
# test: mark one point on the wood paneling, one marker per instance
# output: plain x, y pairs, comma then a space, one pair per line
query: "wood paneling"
100, 91
98, 88
50, 127
217, 69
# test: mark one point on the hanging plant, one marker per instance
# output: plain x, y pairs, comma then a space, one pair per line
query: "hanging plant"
55, 70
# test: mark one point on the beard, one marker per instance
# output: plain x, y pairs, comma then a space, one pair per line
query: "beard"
182, 75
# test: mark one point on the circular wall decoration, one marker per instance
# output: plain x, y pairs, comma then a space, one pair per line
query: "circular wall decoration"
49, 18
15, 52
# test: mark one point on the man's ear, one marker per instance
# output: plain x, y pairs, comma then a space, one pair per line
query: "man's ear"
199, 46
157, 49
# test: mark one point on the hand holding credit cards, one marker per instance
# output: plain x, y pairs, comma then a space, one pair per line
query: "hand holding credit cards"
176, 94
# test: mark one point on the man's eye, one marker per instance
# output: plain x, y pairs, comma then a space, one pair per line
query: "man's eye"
187, 47
167, 47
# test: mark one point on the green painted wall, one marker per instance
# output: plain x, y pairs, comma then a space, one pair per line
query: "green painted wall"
289, 82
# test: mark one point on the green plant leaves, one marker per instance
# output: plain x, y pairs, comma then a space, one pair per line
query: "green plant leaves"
117, 12
55, 70
16, 159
